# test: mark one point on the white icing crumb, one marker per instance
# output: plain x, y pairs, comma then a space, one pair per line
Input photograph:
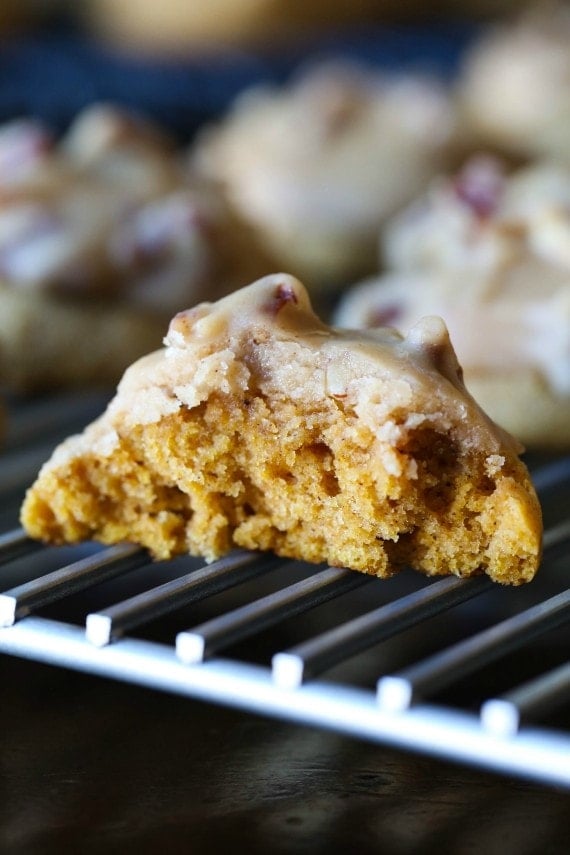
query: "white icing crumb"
390, 432
174, 340
412, 469
494, 463
390, 459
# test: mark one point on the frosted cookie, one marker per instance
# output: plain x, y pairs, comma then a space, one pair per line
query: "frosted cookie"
102, 237
514, 91
491, 255
259, 426
317, 166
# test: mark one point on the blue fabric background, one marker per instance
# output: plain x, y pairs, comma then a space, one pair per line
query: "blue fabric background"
53, 76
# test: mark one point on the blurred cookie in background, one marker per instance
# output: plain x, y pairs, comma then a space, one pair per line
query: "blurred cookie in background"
514, 91
317, 166
175, 27
471, 219
490, 254
103, 235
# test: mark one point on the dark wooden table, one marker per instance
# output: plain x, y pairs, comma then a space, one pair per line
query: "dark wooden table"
89, 765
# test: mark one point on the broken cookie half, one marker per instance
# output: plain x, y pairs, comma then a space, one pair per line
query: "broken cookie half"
261, 427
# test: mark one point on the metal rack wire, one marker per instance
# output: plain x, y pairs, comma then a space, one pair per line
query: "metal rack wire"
416, 705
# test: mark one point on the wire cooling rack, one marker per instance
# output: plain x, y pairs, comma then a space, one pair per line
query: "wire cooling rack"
456, 668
